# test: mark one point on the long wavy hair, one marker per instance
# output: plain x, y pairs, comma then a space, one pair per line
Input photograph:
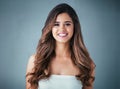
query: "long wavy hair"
46, 49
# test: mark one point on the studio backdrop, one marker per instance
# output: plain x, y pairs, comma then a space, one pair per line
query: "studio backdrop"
21, 22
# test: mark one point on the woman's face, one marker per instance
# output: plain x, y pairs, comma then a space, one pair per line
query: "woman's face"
63, 28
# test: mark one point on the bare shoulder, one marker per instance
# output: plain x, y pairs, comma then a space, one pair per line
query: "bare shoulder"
30, 64
29, 69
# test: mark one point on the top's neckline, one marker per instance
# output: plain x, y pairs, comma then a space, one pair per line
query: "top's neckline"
57, 75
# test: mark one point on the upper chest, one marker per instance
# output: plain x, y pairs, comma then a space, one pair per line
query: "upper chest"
63, 66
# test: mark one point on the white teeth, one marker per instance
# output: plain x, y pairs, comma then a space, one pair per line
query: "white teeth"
62, 34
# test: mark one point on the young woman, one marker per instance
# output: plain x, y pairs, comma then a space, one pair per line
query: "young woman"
61, 60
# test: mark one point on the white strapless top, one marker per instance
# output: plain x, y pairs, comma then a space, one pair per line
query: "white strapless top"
60, 82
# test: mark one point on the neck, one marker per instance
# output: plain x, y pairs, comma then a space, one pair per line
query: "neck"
62, 50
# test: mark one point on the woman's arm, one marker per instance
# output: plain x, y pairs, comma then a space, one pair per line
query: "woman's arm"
29, 69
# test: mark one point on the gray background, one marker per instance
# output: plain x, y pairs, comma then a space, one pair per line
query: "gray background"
21, 22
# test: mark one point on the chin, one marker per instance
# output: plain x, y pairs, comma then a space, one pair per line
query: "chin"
63, 41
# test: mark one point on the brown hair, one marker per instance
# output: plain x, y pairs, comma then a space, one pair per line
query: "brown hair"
46, 49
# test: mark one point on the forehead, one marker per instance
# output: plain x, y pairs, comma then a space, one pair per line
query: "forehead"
63, 17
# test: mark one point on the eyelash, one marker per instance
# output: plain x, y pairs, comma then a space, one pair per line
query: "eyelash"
67, 24
57, 24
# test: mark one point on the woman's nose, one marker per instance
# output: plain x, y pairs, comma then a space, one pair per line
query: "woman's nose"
62, 27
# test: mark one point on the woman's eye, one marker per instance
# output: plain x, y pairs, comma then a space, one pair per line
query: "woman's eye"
67, 24
56, 24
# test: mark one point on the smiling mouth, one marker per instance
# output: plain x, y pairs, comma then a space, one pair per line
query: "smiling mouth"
62, 34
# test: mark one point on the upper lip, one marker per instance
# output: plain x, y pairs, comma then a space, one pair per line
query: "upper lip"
63, 33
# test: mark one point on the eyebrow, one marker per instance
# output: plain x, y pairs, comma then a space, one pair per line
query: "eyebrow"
65, 22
